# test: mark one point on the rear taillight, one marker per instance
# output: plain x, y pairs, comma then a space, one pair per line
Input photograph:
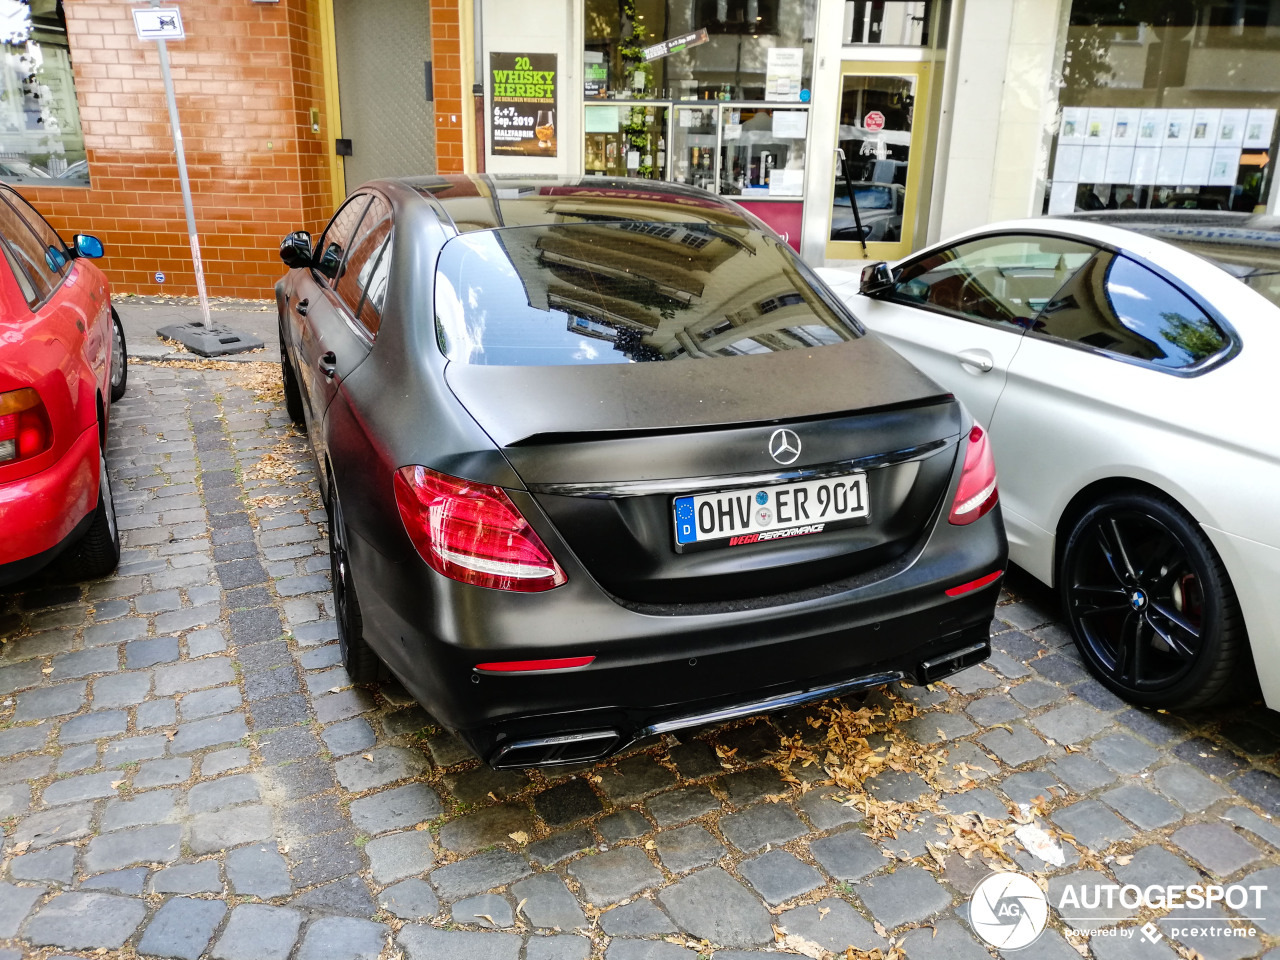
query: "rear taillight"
473, 533
24, 425
977, 492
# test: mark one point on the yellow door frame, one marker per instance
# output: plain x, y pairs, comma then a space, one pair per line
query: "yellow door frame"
332, 111
913, 221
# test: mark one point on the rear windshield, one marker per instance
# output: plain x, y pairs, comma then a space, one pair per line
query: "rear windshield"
623, 292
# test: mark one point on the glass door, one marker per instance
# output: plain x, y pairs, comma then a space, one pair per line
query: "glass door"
877, 205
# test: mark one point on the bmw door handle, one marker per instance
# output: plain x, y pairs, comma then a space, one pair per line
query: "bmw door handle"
329, 364
979, 360
301, 307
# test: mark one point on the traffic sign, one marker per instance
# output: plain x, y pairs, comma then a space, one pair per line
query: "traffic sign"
874, 121
154, 23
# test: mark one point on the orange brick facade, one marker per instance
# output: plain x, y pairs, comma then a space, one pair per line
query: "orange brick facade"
450, 95
246, 77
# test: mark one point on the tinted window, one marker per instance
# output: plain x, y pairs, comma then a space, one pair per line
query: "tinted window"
620, 292
375, 290
333, 245
30, 252
354, 273
1120, 306
999, 280
56, 257
20, 275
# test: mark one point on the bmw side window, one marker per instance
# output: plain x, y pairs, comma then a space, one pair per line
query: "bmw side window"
29, 251
353, 274
999, 281
1118, 305
333, 244
56, 256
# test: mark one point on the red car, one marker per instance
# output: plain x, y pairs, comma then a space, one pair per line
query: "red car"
62, 363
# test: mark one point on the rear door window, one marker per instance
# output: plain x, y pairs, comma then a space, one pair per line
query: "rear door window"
1002, 281
30, 252
1118, 305
56, 256
353, 274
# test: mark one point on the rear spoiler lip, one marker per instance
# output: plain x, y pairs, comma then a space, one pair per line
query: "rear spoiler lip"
616, 490
629, 433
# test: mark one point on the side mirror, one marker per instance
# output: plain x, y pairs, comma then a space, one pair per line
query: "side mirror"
876, 278
87, 246
295, 249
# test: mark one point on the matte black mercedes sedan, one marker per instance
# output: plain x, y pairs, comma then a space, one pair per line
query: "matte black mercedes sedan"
603, 459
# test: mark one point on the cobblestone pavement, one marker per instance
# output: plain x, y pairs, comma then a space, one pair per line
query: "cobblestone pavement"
187, 771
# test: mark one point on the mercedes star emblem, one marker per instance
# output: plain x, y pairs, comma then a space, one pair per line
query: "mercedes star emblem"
784, 446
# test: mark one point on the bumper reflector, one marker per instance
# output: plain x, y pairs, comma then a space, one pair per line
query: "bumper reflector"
972, 585
530, 666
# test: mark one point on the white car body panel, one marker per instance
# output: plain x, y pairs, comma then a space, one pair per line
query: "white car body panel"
1210, 441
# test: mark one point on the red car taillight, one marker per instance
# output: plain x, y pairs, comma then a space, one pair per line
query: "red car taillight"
977, 492
473, 533
24, 425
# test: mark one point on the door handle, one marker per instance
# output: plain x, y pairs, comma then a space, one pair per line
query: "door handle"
329, 364
301, 307
980, 360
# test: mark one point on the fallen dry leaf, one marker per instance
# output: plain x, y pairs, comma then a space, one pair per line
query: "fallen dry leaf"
822, 912
368, 756
519, 836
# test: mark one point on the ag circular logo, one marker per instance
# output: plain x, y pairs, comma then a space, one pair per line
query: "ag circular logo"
1008, 910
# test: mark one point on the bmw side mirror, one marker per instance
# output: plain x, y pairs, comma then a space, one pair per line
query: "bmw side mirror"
876, 278
295, 249
87, 246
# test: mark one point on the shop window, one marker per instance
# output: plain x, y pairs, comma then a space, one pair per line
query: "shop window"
731, 64
41, 140
903, 23
1148, 117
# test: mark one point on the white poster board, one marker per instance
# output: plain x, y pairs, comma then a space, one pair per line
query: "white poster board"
784, 70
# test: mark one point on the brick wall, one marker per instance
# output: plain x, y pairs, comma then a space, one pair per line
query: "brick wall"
246, 78
451, 98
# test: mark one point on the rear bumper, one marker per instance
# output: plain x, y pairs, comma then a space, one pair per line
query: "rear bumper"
43, 513
659, 666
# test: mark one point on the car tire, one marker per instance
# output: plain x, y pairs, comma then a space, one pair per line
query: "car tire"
357, 656
292, 395
97, 553
119, 358
1152, 609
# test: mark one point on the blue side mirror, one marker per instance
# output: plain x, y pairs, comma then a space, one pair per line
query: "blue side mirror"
88, 246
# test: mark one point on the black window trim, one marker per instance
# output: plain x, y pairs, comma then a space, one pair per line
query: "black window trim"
319, 277
17, 212
1234, 341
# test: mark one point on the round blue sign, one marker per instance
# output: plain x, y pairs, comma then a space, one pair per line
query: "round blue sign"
804, 96
159, 277
762, 498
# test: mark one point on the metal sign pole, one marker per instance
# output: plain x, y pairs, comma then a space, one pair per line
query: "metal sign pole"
201, 338
187, 206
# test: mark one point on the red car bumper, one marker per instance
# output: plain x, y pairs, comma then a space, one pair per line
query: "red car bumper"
41, 513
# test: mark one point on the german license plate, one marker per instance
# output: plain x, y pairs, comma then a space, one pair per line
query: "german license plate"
757, 515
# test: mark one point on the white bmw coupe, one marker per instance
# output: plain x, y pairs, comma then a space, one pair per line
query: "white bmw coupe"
1125, 365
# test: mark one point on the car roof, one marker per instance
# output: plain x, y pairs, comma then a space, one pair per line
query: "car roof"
489, 202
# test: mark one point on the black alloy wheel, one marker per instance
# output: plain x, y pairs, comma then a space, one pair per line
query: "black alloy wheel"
357, 656
119, 358
1152, 609
292, 395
